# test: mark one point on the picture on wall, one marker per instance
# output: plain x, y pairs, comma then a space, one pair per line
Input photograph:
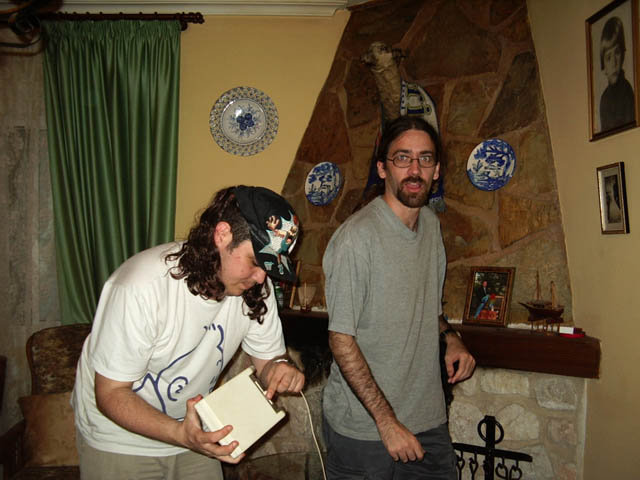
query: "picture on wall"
612, 48
612, 194
489, 295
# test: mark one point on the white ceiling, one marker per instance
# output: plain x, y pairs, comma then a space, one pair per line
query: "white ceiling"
210, 7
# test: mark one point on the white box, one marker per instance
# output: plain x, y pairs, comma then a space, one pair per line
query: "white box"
242, 403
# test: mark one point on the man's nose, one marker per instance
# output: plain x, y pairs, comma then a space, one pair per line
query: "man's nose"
259, 275
414, 166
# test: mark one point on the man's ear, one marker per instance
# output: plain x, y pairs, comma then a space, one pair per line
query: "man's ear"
382, 173
222, 235
436, 171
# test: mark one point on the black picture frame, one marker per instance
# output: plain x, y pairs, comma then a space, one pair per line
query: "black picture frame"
613, 107
612, 195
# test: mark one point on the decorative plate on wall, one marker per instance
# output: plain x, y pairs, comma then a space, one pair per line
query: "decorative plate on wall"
244, 121
323, 183
491, 164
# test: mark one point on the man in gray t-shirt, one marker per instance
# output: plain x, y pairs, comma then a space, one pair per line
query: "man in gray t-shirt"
383, 404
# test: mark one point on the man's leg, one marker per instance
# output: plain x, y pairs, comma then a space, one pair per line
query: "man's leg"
193, 466
99, 465
439, 462
350, 459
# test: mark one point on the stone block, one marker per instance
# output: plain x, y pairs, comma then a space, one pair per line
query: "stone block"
520, 217
520, 100
328, 141
463, 422
465, 236
452, 46
535, 172
468, 387
541, 467
467, 105
518, 423
455, 290
556, 393
518, 29
562, 431
363, 100
503, 9
383, 22
501, 382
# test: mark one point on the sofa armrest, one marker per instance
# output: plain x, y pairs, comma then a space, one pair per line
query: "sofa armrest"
11, 450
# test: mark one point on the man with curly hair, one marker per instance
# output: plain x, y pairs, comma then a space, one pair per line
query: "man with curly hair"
168, 322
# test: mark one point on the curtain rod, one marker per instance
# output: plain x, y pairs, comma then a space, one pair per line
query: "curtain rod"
183, 18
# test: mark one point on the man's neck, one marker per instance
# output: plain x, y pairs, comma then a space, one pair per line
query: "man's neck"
407, 215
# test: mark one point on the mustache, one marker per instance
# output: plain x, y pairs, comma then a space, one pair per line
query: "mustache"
413, 179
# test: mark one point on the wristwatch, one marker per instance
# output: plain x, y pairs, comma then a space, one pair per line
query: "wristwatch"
447, 331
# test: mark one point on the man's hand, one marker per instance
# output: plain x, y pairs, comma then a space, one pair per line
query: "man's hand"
206, 443
279, 376
120, 404
401, 444
457, 352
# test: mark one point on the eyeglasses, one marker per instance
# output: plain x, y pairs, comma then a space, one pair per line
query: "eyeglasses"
402, 160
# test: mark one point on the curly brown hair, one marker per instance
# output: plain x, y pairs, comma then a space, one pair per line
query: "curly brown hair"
199, 259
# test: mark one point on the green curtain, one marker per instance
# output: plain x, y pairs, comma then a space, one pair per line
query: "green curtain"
111, 92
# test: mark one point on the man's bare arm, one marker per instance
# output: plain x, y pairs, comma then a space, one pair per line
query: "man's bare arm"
119, 403
398, 440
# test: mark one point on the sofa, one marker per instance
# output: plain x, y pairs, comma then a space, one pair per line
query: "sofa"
42, 445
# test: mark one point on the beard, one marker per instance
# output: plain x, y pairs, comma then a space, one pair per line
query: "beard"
410, 199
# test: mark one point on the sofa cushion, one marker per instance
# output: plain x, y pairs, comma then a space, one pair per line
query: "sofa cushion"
46, 473
53, 355
50, 433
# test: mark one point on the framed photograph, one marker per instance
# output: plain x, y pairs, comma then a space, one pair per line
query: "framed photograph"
489, 295
612, 193
612, 48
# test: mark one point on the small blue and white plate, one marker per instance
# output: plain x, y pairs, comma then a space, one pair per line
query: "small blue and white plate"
491, 164
323, 183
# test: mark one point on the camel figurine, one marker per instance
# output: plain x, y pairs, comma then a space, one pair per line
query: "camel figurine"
398, 97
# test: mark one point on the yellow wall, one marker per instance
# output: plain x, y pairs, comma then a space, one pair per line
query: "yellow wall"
604, 269
288, 58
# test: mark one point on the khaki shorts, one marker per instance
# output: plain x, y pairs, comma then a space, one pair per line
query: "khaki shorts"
100, 465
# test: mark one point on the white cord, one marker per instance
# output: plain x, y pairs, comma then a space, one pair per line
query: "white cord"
313, 434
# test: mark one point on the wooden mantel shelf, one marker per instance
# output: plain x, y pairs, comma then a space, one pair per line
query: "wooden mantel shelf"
533, 351
512, 348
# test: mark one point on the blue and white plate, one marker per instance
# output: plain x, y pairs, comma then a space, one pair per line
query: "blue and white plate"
323, 183
243, 121
491, 164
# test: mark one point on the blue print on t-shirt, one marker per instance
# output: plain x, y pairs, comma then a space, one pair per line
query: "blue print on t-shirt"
177, 385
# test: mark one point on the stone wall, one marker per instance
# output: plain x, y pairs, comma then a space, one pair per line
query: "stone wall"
476, 58
542, 415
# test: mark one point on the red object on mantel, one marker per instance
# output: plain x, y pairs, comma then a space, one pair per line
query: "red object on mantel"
572, 335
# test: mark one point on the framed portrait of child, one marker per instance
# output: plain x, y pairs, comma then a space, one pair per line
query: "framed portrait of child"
612, 40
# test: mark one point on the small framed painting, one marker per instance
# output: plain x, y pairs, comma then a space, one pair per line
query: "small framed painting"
489, 296
612, 50
612, 194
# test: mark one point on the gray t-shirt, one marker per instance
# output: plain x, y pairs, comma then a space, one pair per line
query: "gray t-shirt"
384, 287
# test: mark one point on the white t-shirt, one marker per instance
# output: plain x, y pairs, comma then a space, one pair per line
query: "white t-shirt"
149, 329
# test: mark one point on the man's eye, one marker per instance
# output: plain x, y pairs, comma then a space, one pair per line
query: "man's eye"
402, 157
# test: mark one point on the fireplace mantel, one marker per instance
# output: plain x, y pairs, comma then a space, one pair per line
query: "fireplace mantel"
512, 348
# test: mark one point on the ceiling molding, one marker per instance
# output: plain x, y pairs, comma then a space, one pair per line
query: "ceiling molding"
209, 7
